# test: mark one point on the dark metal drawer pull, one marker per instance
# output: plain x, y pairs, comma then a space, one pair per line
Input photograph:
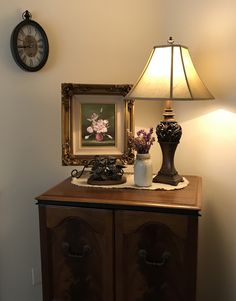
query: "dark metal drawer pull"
164, 257
67, 251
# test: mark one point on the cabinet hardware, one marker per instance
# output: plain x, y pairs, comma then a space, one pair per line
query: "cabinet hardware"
68, 252
164, 257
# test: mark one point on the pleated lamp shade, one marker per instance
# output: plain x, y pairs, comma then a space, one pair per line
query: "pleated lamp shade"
169, 75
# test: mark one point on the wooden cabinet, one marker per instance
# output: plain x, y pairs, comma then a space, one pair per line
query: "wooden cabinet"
117, 244
77, 253
155, 256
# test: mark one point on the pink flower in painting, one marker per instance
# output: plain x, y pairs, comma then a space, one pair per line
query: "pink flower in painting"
90, 130
99, 127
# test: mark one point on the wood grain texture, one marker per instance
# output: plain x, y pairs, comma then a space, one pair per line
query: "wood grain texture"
154, 277
77, 254
188, 198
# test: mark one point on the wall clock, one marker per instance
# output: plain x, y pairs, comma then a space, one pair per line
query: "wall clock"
29, 44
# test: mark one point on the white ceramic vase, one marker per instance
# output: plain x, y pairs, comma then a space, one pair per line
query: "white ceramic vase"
143, 172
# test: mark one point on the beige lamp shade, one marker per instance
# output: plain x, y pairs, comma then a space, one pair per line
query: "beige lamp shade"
169, 75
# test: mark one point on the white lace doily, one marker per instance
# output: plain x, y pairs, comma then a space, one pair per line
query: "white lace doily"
82, 181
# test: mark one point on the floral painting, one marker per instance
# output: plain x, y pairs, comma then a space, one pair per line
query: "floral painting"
98, 122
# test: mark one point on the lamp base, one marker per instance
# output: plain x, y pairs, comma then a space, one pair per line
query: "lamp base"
168, 179
168, 133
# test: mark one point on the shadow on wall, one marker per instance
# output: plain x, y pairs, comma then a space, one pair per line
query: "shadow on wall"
213, 263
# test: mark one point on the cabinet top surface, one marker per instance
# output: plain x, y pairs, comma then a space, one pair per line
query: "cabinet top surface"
188, 198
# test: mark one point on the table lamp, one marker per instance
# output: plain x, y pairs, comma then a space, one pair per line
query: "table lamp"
169, 75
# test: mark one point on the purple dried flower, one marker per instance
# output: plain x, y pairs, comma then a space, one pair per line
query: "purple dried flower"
142, 142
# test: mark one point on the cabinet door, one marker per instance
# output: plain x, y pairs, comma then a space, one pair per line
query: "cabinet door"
155, 256
77, 253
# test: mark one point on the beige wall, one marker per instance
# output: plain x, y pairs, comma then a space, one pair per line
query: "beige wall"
109, 41
208, 145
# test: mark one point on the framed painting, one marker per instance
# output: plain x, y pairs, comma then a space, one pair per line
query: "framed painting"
95, 121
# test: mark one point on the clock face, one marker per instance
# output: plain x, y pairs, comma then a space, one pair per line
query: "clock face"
29, 45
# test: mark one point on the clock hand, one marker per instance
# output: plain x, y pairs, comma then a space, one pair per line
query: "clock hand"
25, 46
28, 46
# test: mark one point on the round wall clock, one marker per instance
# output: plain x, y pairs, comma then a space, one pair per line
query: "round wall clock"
29, 44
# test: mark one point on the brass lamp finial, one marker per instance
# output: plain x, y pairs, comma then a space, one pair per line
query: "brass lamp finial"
170, 41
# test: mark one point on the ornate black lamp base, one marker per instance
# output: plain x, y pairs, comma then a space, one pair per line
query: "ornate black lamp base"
167, 179
169, 134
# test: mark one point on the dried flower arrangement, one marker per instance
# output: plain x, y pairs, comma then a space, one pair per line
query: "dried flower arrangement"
143, 142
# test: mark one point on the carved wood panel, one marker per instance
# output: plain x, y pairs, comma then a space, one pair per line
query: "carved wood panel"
79, 254
155, 256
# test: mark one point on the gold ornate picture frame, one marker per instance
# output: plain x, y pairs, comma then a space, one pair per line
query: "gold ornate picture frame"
95, 121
